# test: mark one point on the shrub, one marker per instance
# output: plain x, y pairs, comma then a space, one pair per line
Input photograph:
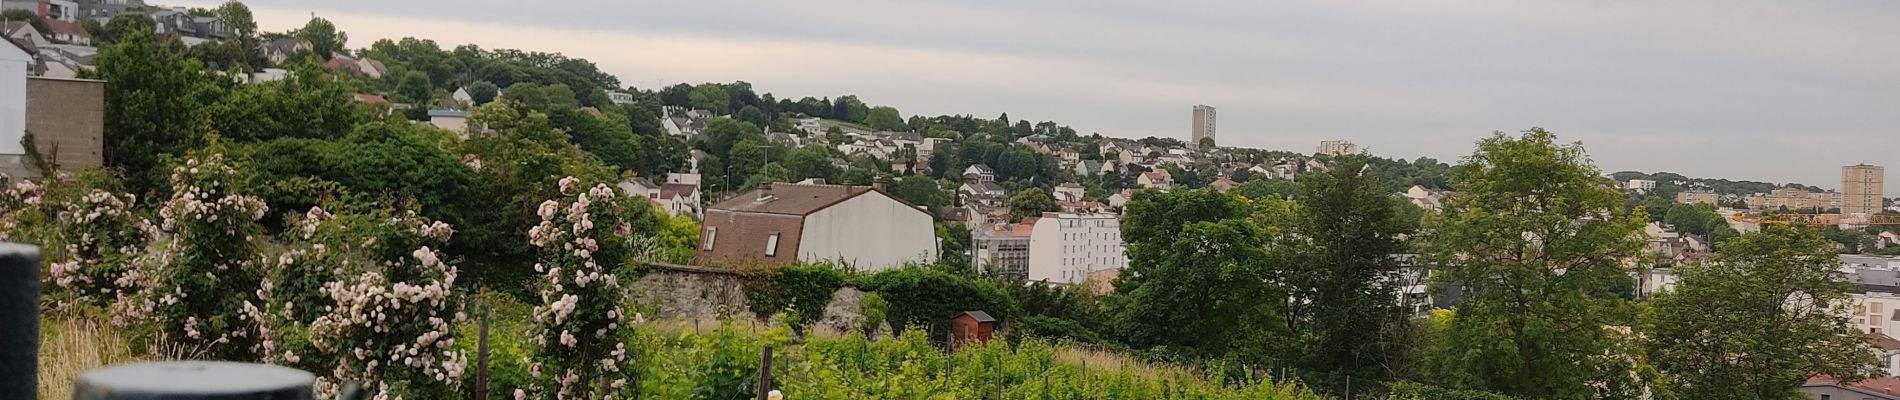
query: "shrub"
802, 289
1404, 390
1054, 328
927, 298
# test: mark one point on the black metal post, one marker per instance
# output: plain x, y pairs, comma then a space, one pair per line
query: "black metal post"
19, 320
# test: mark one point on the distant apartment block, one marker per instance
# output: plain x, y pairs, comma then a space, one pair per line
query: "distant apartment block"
1337, 147
1067, 247
1697, 197
1862, 190
1003, 249
1640, 185
1203, 126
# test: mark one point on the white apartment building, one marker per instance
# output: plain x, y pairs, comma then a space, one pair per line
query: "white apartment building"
1337, 147
1066, 247
1642, 185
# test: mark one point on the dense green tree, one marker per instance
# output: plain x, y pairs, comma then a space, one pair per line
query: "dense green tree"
1538, 244
1354, 227
323, 36
238, 18
885, 119
1031, 202
120, 26
849, 108
711, 97
305, 104
415, 88
810, 162
752, 115
1198, 276
923, 191
747, 157
152, 107
1757, 320
1699, 219
482, 92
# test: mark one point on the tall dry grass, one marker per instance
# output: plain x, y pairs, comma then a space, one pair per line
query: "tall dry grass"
70, 345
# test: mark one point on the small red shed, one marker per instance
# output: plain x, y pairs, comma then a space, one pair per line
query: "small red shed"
971, 326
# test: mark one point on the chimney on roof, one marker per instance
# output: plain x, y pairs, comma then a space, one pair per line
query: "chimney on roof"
765, 192
878, 183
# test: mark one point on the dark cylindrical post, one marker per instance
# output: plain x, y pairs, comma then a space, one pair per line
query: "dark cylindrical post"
765, 372
193, 380
481, 358
19, 320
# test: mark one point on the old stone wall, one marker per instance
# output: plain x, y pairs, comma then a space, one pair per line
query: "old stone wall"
691, 293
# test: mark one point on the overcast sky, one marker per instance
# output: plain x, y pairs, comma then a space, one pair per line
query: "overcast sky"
1762, 90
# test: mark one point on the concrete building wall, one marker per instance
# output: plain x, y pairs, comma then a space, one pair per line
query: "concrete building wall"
67, 119
872, 232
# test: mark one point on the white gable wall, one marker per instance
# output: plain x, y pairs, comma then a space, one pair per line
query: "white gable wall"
871, 232
13, 69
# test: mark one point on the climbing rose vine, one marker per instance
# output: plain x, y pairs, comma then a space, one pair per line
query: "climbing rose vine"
374, 300
579, 328
207, 266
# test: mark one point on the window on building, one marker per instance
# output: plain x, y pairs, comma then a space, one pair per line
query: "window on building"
711, 234
771, 245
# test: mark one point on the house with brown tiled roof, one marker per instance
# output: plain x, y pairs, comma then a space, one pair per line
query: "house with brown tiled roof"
859, 226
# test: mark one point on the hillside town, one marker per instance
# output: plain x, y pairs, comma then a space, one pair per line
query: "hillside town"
1018, 217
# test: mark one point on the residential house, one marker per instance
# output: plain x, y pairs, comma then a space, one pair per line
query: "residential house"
1081, 206
209, 27
1672, 248
1070, 192
461, 95
1223, 184
281, 50
863, 227
452, 120
1088, 168
1003, 249
1067, 247
1823, 387
1119, 200
619, 97
1424, 198
1313, 165
983, 192
979, 173
68, 32
1157, 179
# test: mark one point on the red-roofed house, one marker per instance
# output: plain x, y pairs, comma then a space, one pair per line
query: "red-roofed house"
863, 227
1823, 387
1157, 179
